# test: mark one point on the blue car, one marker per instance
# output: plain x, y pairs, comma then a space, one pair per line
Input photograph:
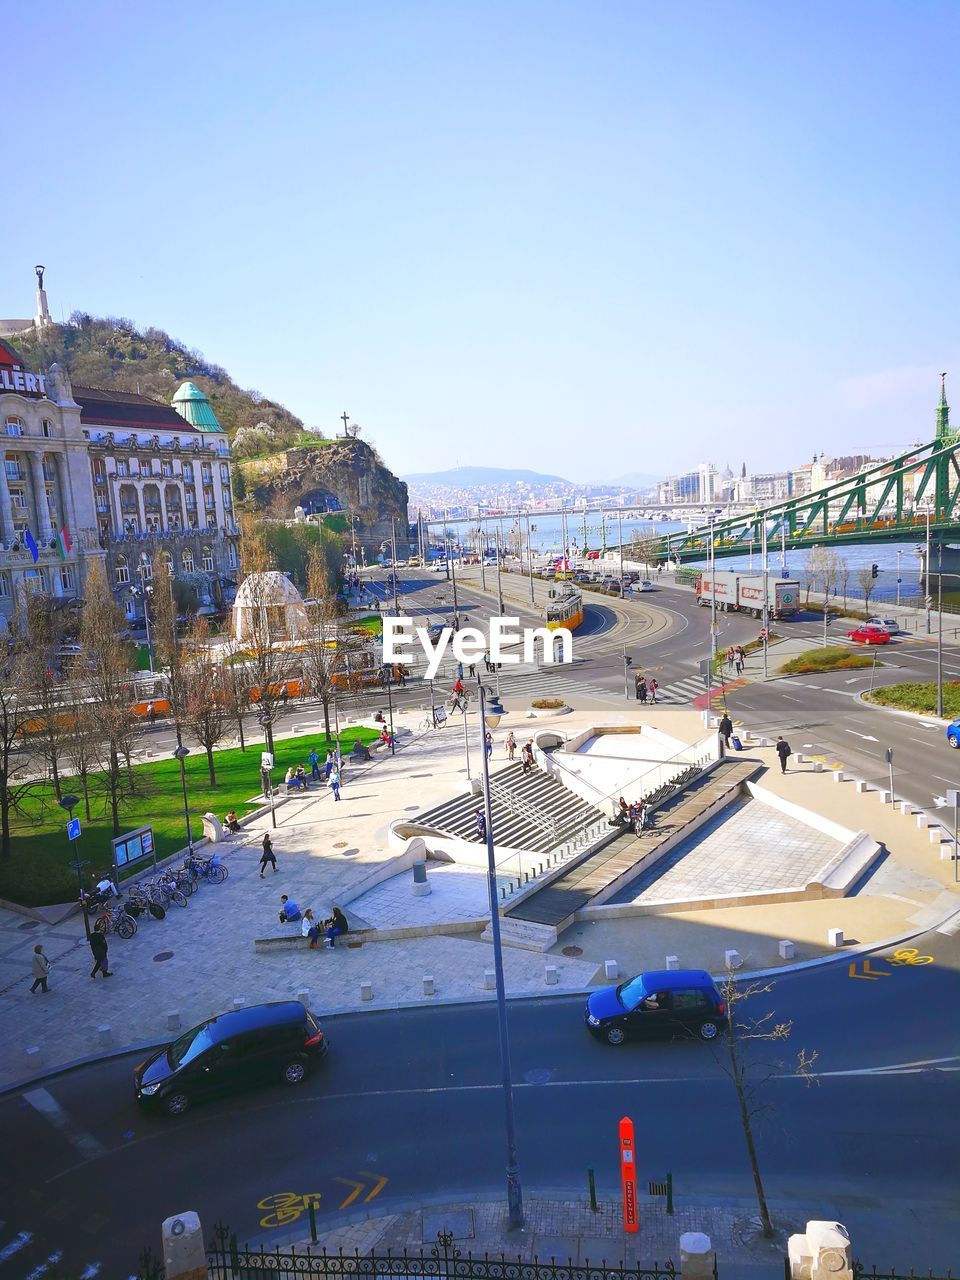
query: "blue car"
953, 734
663, 1002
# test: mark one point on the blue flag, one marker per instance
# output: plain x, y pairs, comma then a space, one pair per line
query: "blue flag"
32, 546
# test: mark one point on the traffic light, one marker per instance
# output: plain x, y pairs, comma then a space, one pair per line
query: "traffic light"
874, 571
628, 660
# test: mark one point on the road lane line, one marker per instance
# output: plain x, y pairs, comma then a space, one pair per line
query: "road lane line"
55, 1115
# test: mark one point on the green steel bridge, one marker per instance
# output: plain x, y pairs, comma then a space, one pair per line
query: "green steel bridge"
892, 501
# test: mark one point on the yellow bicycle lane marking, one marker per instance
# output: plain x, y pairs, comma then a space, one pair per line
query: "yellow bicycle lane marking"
287, 1206
903, 957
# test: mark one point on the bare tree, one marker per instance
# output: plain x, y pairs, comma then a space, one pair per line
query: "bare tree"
41, 687
162, 604
104, 667
269, 659
324, 641
206, 713
15, 714
867, 584
816, 571
81, 741
843, 576
237, 689
748, 1075
646, 550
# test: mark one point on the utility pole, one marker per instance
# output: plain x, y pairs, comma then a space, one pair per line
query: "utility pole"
499, 576
530, 558
940, 630
482, 546
396, 605
926, 573
620, 540
766, 592
713, 594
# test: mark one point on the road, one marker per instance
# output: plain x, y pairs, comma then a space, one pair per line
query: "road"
407, 1108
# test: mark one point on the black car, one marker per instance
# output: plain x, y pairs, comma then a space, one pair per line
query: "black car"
276, 1043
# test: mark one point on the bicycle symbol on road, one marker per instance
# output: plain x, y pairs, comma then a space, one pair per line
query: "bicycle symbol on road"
286, 1207
909, 955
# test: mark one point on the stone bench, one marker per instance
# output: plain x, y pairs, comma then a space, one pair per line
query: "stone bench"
292, 938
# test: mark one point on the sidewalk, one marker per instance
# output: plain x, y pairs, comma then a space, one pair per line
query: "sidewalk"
201, 960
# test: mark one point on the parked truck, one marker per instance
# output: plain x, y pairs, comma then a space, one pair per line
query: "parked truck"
743, 592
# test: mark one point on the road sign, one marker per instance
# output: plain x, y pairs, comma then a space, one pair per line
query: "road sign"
266, 759
899, 580
73, 829
628, 1175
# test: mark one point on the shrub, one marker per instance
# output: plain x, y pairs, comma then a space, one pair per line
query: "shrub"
921, 698
548, 704
830, 659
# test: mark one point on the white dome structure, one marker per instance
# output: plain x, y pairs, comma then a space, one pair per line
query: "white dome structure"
268, 608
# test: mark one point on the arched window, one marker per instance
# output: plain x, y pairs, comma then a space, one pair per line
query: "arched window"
187, 559
121, 571
47, 428
207, 560
14, 427
4, 584
168, 560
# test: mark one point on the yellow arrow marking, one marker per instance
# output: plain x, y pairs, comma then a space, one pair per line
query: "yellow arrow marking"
870, 974
357, 1188
381, 1183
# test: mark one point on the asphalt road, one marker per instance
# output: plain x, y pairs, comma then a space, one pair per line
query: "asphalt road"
407, 1106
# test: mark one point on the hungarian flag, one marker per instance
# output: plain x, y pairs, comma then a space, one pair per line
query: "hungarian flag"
64, 545
31, 545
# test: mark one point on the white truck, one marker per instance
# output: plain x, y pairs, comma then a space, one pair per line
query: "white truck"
743, 592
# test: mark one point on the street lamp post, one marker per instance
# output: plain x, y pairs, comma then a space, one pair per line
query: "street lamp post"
482, 548
939, 630
899, 554
265, 723
69, 803
388, 673
531, 528
180, 755
489, 719
620, 540
926, 572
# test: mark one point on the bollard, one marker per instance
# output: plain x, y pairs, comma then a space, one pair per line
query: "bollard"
312, 1215
799, 758
859, 786
239, 1002
489, 979
922, 821
835, 937
884, 796
428, 985
303, 995
786, 949
34, 1057
673, 962
936, 834
905, 807
103, 1034
592, 1183
818, 766
184, 1254
550, 975
697, 1259
173, 1020
732, 959
837, 775
366, 990
421, 885
611, 969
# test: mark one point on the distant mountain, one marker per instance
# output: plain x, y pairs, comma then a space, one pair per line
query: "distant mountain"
475, 477
637, 480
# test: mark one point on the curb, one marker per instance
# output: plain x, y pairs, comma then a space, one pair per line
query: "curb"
901, 711
432, 1002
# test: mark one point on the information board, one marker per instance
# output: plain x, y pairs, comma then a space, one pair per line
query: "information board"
133, 847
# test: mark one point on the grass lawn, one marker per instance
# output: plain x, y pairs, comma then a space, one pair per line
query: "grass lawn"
919, 697
371, 624
833, 658
40, 871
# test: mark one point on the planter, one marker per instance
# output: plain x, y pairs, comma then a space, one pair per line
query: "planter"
540, 713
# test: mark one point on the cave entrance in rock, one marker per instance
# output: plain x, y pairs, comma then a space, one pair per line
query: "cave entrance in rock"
316, 501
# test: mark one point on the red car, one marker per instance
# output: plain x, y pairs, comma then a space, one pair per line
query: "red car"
869, 635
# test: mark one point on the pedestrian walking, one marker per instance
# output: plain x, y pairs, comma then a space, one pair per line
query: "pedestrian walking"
486, 661
40, 967
472, 669
98, 945
653, 687
783, 751
335, 784
328, 765
526, 755
488, 743
511, 744
481, 824
731, 656
314, 762
642, 690
637, 681
725, 730
151, 713
268, 855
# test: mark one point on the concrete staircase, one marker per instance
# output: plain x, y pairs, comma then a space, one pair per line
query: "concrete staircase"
530, 811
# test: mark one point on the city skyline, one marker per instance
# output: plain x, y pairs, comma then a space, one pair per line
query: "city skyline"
508, 235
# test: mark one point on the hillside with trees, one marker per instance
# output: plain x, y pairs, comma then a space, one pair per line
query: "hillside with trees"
113, 353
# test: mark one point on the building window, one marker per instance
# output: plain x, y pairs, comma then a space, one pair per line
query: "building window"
121, 572
4, 584
187, 559
207, 560
227, 500
123, 467
51, 494
131, 525
18, 499
206, 473
146, 467
166, 468
191, 500
67, 578
47, 428
49, 469
232, 555
152, 522
99, 471
35, 581
12, 467
14, 427
146, 568
186, 469
168, 558
224, 474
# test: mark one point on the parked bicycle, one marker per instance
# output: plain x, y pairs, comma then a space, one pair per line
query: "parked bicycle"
211, 869
164, 890
138, 902
117, 919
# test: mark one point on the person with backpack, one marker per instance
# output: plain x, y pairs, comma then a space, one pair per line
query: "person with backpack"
783, 751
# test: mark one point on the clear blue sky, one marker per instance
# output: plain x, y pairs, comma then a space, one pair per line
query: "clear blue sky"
587, 238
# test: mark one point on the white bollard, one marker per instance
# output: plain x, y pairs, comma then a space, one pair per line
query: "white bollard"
798, 757
184, 1253
239, 1002
550, 975
103, 1034
366, 990
837, 775
786, 949
818, 766
732, 959
303, 995
922, 821
489, 979
884, 797
936, 834
696, 1256
946, 853
173, 1020
611, 969
34, 1057
673, 962
905, 807
428, 988
835, 937
859, 786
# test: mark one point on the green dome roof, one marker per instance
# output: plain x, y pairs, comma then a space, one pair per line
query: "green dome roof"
194, 407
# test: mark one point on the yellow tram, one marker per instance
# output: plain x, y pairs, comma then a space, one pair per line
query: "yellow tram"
565, 609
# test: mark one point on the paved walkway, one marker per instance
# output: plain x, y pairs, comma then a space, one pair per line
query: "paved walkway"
200, 959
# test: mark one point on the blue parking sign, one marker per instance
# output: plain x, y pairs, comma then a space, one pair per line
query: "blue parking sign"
73, 828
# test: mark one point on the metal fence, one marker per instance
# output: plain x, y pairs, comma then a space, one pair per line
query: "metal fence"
227, 1260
